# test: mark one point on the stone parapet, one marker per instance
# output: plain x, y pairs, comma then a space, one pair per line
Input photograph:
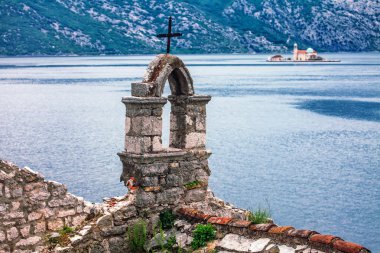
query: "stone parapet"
30, 207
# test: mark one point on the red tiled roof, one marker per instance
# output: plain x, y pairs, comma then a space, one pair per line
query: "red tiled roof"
325, 239
348, 247
301, 233
219, 220
272, 230
262, 227
280, 230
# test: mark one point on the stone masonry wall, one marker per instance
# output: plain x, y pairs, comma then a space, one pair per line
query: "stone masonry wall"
30, 207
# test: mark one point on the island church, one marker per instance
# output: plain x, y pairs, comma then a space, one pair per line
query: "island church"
304, 55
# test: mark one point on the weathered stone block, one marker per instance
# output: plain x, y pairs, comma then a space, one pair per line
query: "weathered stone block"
195, 195
34, 216
195, 140
31, 241
200, 124
57, 189
7, 192
144, 199
138, 145
235, 243
78, 219
201, 175
65, 213
12, 233
40, 227
3, 207
105, 221
55, 224
124, 214
157, 144
142, 89
118, 245
115, 230
259, 245
25, 231
146, 125
30, 175
174, 180
149, 181
15, 215
155, 169
38, 194
127, 124
2, 236
16, 191
15, 205
170, 196
152, 188
32, 186
68, 200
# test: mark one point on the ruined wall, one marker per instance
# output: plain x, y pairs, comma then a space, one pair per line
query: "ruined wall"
30, 207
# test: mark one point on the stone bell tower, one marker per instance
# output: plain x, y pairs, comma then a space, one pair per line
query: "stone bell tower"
165, 176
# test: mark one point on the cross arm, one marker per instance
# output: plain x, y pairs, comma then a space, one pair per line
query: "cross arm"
162, 35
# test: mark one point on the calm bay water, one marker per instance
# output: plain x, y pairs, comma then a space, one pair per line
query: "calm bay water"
301, 138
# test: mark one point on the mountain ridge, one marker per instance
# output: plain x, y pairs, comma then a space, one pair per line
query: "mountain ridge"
115, 27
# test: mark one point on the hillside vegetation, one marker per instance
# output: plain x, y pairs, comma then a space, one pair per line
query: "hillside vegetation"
61, 27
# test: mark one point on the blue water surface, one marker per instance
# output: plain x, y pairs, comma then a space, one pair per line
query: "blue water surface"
302, 139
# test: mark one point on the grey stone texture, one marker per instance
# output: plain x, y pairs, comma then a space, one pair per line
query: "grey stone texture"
30, 207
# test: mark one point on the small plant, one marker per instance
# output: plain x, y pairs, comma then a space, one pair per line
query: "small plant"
259, 216
66, 230
159, 237
170, 243
203, 234
61, 238
137, 236
193, 184
167, 219
53, 240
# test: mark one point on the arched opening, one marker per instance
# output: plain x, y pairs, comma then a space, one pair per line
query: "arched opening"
178, 83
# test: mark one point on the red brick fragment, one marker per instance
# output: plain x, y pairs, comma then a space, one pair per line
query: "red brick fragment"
280, 230
219, 220
325, 239
184, 211
240, 223
348, 247
262, 227
301, 233
200, 216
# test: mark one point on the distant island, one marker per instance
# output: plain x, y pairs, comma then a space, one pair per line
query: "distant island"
308, 55
35, 28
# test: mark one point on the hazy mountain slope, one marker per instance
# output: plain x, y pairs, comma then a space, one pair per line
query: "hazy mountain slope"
34, 27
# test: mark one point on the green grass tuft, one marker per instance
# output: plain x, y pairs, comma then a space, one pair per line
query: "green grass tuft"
137, 236
259, 216
203, 234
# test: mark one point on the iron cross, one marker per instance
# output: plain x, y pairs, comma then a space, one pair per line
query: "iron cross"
169, 35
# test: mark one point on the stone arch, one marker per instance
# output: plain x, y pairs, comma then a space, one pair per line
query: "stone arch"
164, 68
145, 108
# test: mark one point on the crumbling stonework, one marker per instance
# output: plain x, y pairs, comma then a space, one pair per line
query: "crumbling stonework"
159, 179
30, 207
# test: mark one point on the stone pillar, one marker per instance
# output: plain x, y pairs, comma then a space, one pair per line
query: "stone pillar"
143, 124
188, 121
